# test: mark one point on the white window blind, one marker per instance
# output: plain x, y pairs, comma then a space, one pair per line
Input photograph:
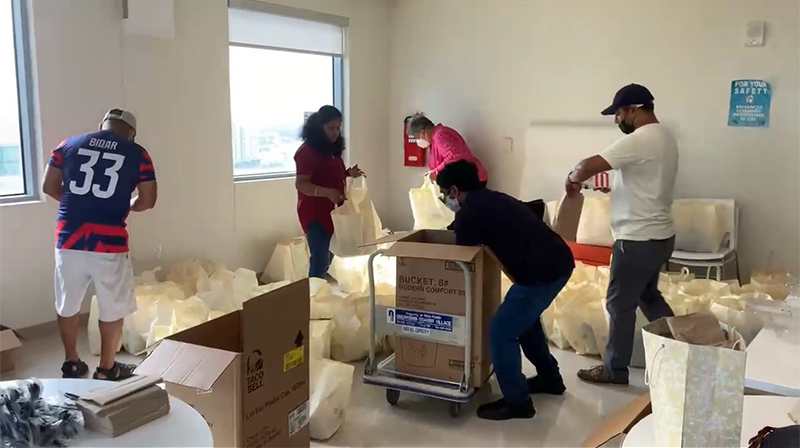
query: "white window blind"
262, 29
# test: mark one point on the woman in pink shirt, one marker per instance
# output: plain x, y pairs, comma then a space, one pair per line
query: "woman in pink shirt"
446, 145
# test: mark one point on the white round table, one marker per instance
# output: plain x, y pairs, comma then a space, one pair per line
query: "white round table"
183, 426
759, 411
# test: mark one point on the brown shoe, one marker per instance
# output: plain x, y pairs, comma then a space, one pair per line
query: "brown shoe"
599, 375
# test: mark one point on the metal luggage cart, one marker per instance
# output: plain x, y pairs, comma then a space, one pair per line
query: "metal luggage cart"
382, 372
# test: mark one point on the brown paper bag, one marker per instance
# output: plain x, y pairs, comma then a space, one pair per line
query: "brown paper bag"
698, 328
568, 217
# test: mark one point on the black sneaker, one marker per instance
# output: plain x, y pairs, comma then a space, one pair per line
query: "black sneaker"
546, 385
599, 375
118, 372
503, 410
74, 369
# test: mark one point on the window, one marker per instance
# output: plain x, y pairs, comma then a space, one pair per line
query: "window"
283, 67
16, 149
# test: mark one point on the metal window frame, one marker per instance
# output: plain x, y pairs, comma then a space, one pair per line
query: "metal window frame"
338, 101
25, 99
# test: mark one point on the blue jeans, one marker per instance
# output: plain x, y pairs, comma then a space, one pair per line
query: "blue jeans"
517, 324
319, 244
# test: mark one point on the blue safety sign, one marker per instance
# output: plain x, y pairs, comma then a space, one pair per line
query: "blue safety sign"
750, 100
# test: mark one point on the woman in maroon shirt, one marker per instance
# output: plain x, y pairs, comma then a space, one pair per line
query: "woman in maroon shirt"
321, 179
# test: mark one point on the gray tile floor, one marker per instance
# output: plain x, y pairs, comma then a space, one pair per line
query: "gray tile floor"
417, 421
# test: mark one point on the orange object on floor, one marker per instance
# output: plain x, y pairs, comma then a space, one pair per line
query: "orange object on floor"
591, 255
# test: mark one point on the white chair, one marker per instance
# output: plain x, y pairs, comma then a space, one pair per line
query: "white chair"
728, 212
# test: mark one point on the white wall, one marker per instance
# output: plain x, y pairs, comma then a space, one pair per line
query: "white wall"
491, 67
179, 90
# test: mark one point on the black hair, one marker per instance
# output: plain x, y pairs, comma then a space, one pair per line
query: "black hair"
314, 134
462, 174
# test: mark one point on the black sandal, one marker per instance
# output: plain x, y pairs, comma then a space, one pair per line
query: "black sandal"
74, 369
118, 372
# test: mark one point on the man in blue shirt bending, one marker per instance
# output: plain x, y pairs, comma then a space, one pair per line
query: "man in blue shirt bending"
539, 263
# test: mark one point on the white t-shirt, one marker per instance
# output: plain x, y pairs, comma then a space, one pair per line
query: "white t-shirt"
645, 164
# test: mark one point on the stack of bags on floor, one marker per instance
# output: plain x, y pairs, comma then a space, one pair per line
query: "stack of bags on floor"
577, 317
193, 292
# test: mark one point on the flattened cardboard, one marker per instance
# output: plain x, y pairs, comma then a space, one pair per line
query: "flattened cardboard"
246, 373
9, 343
568, 216
121, 407
429, 279
187, 364
620, 422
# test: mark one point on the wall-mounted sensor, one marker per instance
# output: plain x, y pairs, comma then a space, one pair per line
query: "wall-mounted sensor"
755, 33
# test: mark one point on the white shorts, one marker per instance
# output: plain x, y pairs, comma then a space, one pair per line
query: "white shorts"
113, 281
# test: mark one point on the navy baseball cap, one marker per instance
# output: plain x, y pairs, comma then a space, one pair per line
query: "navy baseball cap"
630, 95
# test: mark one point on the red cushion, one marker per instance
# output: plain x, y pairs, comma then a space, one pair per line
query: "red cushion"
591, 255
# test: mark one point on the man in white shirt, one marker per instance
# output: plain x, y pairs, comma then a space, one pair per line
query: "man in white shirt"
645, 164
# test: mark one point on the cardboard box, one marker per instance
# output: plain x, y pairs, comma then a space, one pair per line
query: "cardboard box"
124, 406
9, 343
620, 422
429, 280
246, 372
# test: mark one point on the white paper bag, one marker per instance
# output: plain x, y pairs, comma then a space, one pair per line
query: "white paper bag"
319, 345
697, 391
329, 396
289, 261
732, 312
355, 223
323, 300
594, 227
429, 212
350, 336
552, 330
698, 227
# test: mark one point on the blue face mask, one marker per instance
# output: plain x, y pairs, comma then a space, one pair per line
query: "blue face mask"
451, 203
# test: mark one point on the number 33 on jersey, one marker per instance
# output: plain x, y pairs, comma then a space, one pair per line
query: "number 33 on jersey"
100, 171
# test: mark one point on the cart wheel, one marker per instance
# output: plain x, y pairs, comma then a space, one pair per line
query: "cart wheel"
392, 396
454, 409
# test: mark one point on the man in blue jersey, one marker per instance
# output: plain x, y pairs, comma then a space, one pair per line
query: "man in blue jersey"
93, 177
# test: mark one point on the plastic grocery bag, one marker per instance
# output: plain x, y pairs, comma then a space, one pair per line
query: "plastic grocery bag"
350, 336
289, 261
187, 274
94, 329
136, 327
355, 222
552, 329
596, 318
700, 287
351, 274
732, 312
573, 318
320, 341
594, 227
429, 212
698, 228
190, 312
680, 376
323, 300
329, 396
